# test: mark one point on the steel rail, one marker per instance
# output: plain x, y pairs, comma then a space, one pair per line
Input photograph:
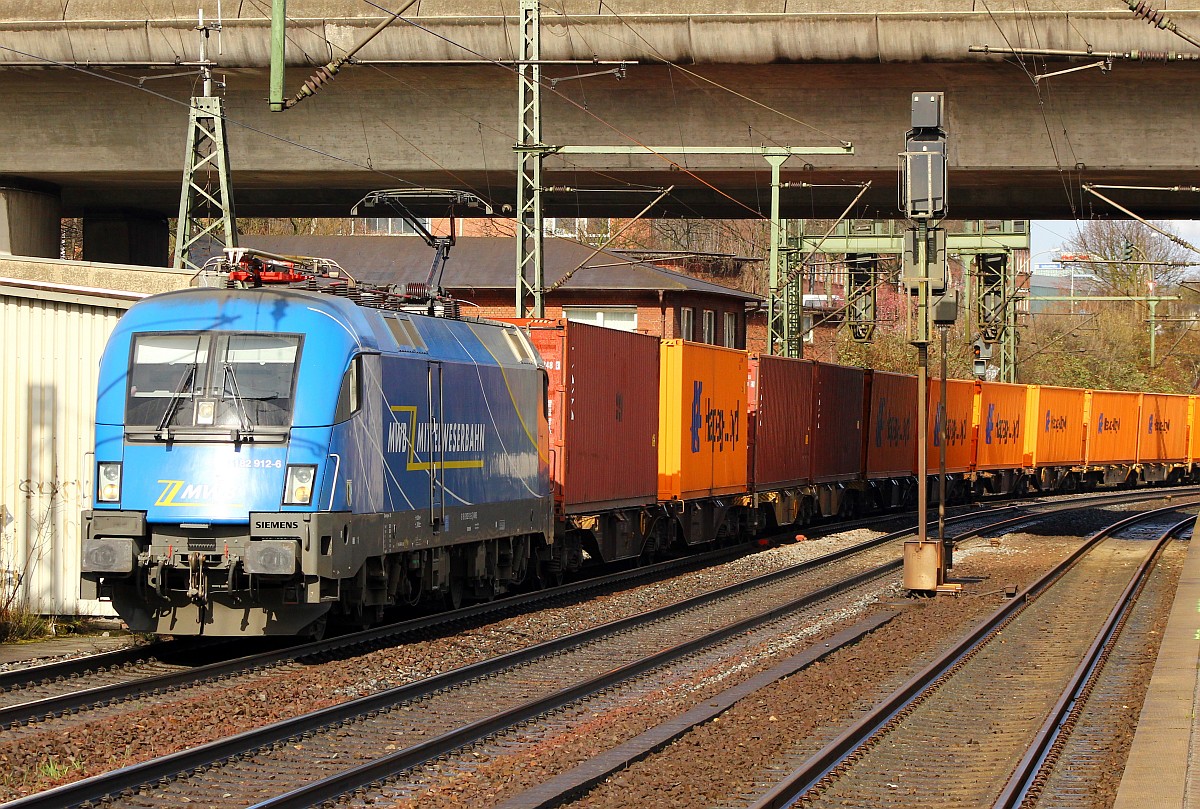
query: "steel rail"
805, 777
99, 696
94, 664
107, 784
340, 783
380, 769
1049, 736
88, 664
50, 707
99, 787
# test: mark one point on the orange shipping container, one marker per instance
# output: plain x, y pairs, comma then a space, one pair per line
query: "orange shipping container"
892, 429
999, 426
1163, 431
702, 430
960, 425
780, 415
1055, 426
1111, 425
1193, 431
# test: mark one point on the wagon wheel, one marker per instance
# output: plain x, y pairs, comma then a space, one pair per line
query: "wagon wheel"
455, 593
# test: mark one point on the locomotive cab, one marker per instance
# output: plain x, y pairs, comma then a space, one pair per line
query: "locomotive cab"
266, 456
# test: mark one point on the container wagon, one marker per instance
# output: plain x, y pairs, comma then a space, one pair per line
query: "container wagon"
1054, 438
1163, 437
999, 424
837, 432
602, 409
891, 439
702, 455
1110, 419
779, 418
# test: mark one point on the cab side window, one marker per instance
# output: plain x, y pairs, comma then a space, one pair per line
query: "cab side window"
350, 394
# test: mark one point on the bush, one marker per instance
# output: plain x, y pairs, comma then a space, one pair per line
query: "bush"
17, 624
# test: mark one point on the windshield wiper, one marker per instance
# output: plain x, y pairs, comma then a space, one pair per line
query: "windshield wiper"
240, 409
185, 380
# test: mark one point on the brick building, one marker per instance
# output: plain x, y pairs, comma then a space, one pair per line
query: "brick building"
608, 288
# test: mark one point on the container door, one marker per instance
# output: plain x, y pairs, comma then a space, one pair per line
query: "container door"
437, 449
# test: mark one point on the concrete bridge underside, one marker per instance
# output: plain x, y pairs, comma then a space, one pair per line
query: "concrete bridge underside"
755, 76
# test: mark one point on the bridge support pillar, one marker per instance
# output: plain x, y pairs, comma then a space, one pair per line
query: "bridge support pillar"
126, 237
30, 223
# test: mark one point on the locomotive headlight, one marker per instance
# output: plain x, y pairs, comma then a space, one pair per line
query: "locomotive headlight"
109, 490
298, 488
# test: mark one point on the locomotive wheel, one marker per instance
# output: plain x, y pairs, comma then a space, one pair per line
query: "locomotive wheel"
316, 630
550, 572
519, 574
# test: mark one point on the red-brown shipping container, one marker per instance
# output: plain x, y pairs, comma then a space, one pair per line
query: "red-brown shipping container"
1163, 431
780, 400
960, 424
702, 421
837, 419
892, 426
603, 414
1055, 433
1111, 424
999, 426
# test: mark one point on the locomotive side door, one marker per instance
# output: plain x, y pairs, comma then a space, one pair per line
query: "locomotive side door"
437, 449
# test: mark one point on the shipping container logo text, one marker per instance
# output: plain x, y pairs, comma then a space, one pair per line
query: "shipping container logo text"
1001, 431
1056, 424
1158, 425
712, 424
896, 430
956, 430
1104, 425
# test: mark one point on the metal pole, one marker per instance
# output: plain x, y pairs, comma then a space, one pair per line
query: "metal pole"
530, 152
278, 38
943, 433
922, 342
774, 333
1153, 329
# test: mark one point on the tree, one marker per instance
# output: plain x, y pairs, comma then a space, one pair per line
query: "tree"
1122, 244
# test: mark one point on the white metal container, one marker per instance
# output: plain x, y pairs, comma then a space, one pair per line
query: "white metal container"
52, 337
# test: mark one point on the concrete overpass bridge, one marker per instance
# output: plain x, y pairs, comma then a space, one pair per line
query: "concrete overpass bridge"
107, 142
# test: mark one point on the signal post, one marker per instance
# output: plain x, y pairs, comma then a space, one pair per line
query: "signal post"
923, 179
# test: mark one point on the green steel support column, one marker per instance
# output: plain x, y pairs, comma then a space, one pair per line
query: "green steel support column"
1008, 367
278, 31
861, 295
776, 307
793, 311
530, 151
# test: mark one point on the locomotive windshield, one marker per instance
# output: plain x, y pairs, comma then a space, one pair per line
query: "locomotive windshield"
218, 381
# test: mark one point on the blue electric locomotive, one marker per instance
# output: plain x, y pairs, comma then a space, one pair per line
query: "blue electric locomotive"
269, 458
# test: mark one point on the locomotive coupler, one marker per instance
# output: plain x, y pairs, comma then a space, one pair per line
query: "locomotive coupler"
197, 580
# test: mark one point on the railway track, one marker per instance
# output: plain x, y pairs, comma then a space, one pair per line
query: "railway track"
339, 742
1002, 700
46, 691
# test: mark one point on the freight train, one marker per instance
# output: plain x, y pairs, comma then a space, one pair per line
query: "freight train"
271, 458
